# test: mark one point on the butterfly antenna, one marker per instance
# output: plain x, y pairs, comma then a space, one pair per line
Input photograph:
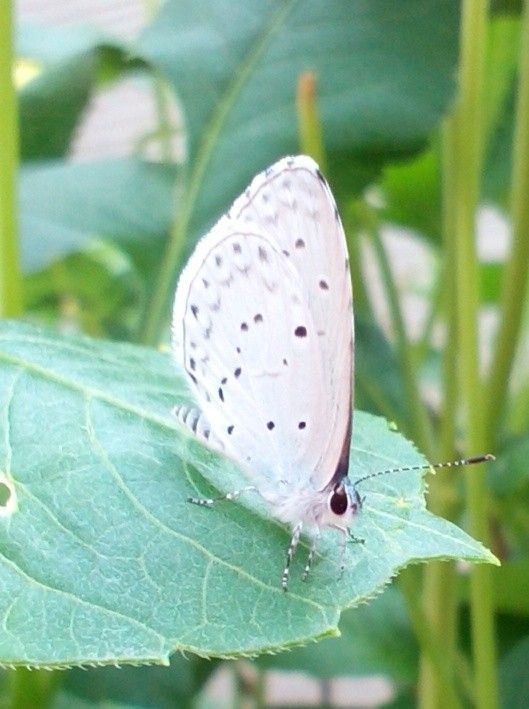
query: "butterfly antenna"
451, 464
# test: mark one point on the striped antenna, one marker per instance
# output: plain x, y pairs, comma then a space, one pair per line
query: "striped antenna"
451, 464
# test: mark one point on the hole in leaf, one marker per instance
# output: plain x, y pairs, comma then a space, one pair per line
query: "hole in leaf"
5, 494
8, 497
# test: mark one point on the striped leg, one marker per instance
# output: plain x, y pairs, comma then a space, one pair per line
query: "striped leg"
209, 502
296, 534
310, 559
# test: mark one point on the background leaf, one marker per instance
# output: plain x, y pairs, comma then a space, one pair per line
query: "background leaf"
379, 388
160, 687
384, 76
72, 62
514, 681
375, 639
118, 567
125, 199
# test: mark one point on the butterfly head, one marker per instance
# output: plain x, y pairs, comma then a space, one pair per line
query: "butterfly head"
343, 503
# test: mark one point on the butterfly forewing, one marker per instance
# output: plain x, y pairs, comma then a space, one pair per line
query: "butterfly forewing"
293, 202
263, 326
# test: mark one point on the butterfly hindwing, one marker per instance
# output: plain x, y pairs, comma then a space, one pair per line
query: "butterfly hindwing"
244, 334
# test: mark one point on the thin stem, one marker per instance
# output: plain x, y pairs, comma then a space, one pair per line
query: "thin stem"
179, 233
422, 428
309, 126
449, 371
10, 275
422, 347
439, 591
429, 641
467, 150
516, 274
165, 129
354, 235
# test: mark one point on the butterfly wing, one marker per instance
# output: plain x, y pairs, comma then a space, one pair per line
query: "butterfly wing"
294, 203
263, 328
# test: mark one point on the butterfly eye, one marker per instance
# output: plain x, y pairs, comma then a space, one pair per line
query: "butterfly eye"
338, 500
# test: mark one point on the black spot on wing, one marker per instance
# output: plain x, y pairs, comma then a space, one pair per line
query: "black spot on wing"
300, 331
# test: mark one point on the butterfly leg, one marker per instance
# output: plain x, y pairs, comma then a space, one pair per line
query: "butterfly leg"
209, 502
310, 559
343, 545
346, 536
296, 534
356, 540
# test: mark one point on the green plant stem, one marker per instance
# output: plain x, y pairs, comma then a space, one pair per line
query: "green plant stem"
422, 428
10, 275
309, 126
422, 347
466, 147
166, 279
439, 593
165, 128
515, 278
33, 688
354, 229
429, 641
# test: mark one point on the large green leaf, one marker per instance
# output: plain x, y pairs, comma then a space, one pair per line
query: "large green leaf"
385, 74
63, 205
104, 560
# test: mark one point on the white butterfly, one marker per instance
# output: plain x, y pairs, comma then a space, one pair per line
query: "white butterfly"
263, 326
